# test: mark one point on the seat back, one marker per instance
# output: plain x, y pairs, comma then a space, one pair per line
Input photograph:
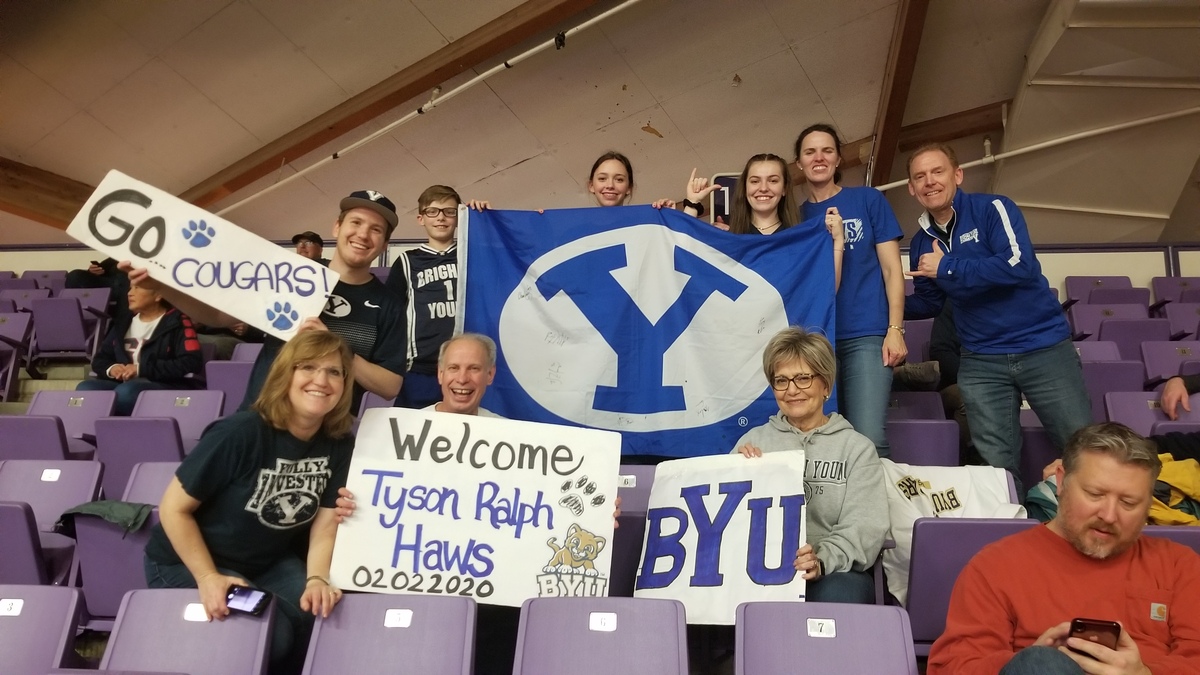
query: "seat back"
428, 634
1180, 534
941, 547
21, 298
1079, 288
1119, 296
14, 344
1086, 319
123, 442
58, 324
78, 410
49, 487
15, 329
1140, 410
915, 405
156, 630
917, 334
924, 442
22, 562
17, 284
194, 409
790, 638
633, 489
1169, 427
1097, 350
230, 377
1183, 317
110, 564
148, 481
246, 351
37, 628
32, 437
631, 636
1101, 377
1170, 288
1163, 358
1129, 334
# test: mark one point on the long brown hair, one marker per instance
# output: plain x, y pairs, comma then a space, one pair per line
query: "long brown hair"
273, 402
740, 219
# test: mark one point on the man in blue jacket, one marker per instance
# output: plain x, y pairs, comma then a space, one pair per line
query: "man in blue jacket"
974, 249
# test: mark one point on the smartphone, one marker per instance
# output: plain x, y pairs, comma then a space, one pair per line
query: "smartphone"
247, 600
1099, 631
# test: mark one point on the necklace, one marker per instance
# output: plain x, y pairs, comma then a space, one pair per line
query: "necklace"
764, 229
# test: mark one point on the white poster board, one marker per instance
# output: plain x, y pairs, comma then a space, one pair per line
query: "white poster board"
203, 255
724, 530
488, 508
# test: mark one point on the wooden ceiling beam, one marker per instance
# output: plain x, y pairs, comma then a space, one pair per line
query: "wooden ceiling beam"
39, 195
486, 42
898, 76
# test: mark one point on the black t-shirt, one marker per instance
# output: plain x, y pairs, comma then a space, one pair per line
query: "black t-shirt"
427, 280
370, 318
259, 489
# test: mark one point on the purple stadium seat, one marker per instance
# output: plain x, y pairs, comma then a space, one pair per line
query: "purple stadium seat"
148, 481
15, 331
78, 411
1095, 350
1129, 334
94, 304
1086, 319
22, 297
1167, 427
1183, 317
152, 632
924, 442
1140, 410
231, 377
917, 334
23, 561
784, 638
17, 284
941, 547
246, 351
1163, 359
1168, 289
1079, 288
1187, 535
124, 442
633, 488
634, 491
59, 333
1120, 296
1190, 295
1101, 377
50, 488
915, 405
37, 628
35, 437
631, 636
44, 275
194, 409
1037, 450
430, 634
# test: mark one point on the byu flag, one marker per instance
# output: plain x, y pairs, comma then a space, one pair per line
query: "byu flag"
643, 321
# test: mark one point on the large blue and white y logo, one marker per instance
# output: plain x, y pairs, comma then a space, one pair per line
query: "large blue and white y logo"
641, 328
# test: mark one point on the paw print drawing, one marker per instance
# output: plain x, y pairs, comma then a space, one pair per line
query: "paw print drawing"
282, 316
198, 233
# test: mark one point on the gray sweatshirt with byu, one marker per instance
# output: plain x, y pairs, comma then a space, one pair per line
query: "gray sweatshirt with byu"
844, 493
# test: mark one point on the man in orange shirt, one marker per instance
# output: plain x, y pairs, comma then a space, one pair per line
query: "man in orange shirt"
1012, 606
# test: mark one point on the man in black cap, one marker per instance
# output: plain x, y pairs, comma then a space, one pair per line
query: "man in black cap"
361, 309
310, 245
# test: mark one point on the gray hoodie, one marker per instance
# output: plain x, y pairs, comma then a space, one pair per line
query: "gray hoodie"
844, 492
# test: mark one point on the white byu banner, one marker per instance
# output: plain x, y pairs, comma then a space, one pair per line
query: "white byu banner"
724, 530
488, 508
202, 255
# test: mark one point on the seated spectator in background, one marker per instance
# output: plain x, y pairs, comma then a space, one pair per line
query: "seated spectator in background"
154, 347
226, 518
310, 245
225, 339
426, 278
1175, 394
1013, 603
847, 507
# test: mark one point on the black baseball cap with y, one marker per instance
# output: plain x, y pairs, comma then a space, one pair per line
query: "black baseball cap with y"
375, 201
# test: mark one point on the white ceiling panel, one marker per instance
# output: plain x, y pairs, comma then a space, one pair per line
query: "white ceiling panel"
540, 183
20, 231
357, 45
161, 114
1144, 52
29, 108
72, 46
803, 20
672, 61
83, 137
728, 124
295, 207
560, 95
244, 64
454, 20
158, 25
1051, 112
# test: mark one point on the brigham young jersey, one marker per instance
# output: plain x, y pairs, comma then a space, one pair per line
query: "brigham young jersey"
367, 316
427, 280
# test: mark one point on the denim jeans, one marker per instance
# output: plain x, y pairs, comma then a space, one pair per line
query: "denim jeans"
127, 391
864, 386
285, 580
853, 587
991, 384
1036, 660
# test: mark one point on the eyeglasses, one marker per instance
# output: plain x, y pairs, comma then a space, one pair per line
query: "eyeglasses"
449, 212
311, 370
802, 381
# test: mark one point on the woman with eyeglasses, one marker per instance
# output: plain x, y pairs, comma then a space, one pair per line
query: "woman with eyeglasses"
258, 481
845, 497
